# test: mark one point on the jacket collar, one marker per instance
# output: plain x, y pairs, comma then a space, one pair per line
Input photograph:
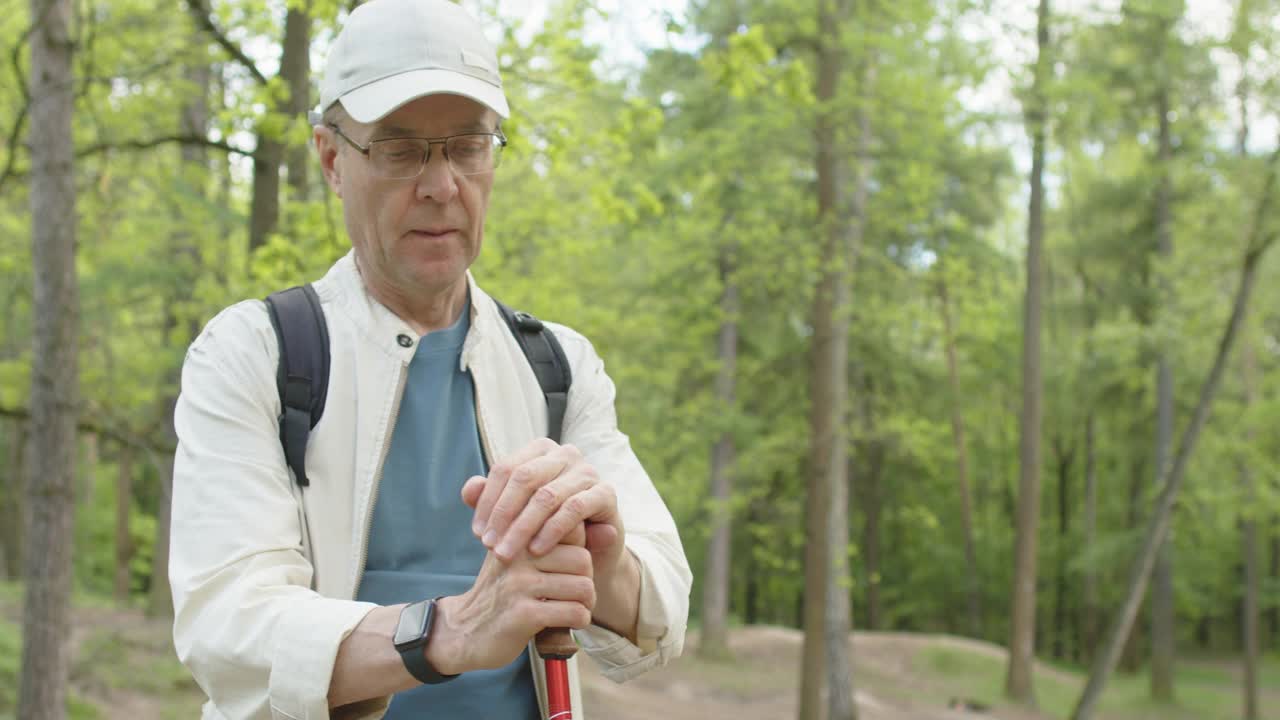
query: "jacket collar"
344, 286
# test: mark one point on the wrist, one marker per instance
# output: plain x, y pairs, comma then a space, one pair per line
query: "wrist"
446, 651
618, 597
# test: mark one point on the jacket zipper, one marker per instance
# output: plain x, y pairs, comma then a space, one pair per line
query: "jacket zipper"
377, 481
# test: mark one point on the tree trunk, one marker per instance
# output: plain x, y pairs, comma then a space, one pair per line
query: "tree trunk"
1204, 632
194, 119
715, 598
1089, 634
224, 268
1162, 608
124, 538
1131, 660
160, 601
12, 520
873, 509
973, 589
868, 469
46, 610
1257, 244
91, 458
1249, 536
826, 673
1273, 615
1019, 680
295, 70
751, 593
1249, 621
1089, 581
1066, 456
264, 211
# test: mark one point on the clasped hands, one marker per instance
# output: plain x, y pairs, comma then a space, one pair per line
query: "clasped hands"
556, 556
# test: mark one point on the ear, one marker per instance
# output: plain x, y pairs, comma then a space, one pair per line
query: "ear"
327, 147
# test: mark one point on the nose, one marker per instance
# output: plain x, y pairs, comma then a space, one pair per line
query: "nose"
437, 180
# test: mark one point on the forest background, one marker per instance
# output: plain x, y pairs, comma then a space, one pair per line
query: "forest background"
940, 316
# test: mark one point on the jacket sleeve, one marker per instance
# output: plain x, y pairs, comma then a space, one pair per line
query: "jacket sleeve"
591, 424
257, 639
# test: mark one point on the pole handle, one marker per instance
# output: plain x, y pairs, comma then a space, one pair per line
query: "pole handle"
556, 644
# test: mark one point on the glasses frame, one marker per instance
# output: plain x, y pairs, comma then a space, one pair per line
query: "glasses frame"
426, 158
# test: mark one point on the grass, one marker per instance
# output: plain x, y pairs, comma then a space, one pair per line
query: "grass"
1204, 692
10, 656
133, 657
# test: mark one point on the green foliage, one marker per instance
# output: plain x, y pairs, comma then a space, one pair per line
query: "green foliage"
1207, 690
630, 199
10, 657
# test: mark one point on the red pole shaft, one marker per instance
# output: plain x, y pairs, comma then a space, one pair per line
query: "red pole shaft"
558, 690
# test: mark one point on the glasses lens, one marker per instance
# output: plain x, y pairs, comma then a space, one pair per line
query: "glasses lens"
397, 158
404, 158
473, 154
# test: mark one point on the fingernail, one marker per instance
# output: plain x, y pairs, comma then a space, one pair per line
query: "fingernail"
490, 537
476, 528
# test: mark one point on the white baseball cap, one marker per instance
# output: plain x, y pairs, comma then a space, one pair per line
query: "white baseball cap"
392, 51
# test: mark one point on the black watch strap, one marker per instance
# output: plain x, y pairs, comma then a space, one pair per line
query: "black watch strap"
414, 654
415, 661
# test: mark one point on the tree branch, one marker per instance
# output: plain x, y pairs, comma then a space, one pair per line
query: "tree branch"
203, 17
19, 122
149, 143
115, 431
146, 144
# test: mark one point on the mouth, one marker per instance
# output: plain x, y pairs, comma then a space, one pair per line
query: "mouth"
434, 233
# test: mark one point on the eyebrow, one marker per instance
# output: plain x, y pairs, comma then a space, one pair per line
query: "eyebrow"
477, 126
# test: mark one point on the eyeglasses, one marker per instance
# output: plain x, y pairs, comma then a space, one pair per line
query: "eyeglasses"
404, 158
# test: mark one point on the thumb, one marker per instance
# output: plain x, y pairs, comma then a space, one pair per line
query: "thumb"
601, 537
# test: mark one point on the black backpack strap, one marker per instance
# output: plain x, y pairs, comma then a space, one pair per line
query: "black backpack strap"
302, 377
547, 359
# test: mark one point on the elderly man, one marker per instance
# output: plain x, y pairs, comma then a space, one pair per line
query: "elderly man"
439, 529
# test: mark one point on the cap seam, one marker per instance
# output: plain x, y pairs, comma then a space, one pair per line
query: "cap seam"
412, 69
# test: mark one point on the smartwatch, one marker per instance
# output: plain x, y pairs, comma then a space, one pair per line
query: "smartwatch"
412, 634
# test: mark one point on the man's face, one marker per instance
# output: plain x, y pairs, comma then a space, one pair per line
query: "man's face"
413, 238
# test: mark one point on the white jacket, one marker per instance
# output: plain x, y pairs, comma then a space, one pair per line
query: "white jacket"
263, 572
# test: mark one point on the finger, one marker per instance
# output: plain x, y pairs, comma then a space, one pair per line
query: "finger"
544, 502
471, 490
565, 587
566, 560
599, 504
558, 613
523, 482
497, 480
576, 537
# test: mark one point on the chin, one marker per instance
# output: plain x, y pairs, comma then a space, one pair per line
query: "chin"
434, 278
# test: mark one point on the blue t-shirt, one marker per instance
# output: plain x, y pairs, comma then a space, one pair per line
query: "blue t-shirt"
420, 542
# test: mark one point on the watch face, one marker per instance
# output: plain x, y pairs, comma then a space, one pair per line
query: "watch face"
412, 625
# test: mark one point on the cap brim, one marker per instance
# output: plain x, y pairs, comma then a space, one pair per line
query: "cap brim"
370, 103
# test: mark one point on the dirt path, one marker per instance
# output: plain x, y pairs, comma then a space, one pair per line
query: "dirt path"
124, 664
761, 683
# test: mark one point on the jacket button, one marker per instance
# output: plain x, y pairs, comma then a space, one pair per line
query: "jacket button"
404, 340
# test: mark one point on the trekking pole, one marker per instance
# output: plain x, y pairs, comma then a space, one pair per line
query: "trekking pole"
556, 646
